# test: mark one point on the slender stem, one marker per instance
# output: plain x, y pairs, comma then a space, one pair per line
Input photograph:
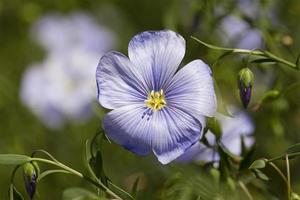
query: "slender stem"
74, 172
11, 187
288, 176
279, 171
264, 54
44, 152
283, 156
48, 172
244, 188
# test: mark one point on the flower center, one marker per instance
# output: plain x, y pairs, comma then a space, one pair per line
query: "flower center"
156, 100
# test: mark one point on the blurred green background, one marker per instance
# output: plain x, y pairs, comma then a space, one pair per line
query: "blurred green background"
277, 121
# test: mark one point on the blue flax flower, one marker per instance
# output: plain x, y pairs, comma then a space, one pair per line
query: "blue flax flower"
234, 130
153, 107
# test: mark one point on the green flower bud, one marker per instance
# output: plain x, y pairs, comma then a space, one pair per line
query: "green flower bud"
245, 83
30, 174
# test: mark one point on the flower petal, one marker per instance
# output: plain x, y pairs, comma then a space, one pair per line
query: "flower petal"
168, 132
126, 127
174, 131
118, 81
234, 128
198, 152
192, 90
158, 55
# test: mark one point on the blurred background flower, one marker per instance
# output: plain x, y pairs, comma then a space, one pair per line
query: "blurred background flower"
64, 40
236, 130
62, 87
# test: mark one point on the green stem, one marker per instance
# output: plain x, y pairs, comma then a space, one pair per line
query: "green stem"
279, 172
244, 188
288, 176
76, 173
49, 172
263, 54
283, 156
44, 152
11, 187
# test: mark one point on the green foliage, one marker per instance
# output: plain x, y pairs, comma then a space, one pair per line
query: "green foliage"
274, 110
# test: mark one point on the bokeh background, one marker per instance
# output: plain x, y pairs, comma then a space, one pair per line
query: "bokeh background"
61, 41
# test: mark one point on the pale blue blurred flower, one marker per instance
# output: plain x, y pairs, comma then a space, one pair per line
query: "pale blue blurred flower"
62, 87
236, 31
61, 33
234, 130
153, 107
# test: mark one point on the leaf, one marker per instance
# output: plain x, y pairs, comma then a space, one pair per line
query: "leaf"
260, 175
258, 164
13, 159
79, 194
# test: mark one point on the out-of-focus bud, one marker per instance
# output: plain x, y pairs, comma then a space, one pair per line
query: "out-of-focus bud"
30, 174
245, 83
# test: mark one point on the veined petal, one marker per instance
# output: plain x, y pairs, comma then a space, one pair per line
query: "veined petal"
174, 131
126, 127
118, 82
168, 132
157, 54
192, 90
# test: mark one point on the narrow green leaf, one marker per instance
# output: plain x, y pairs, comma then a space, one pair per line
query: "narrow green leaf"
258, 164
13, 159
260, 175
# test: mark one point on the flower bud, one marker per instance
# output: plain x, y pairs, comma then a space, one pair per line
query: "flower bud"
245, 82
30, 174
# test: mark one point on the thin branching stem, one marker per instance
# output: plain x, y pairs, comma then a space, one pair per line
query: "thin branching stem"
279, 171
245, 189
261, 53
288, 176
76, 173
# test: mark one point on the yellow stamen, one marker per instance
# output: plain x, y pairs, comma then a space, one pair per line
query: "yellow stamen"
156, 100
